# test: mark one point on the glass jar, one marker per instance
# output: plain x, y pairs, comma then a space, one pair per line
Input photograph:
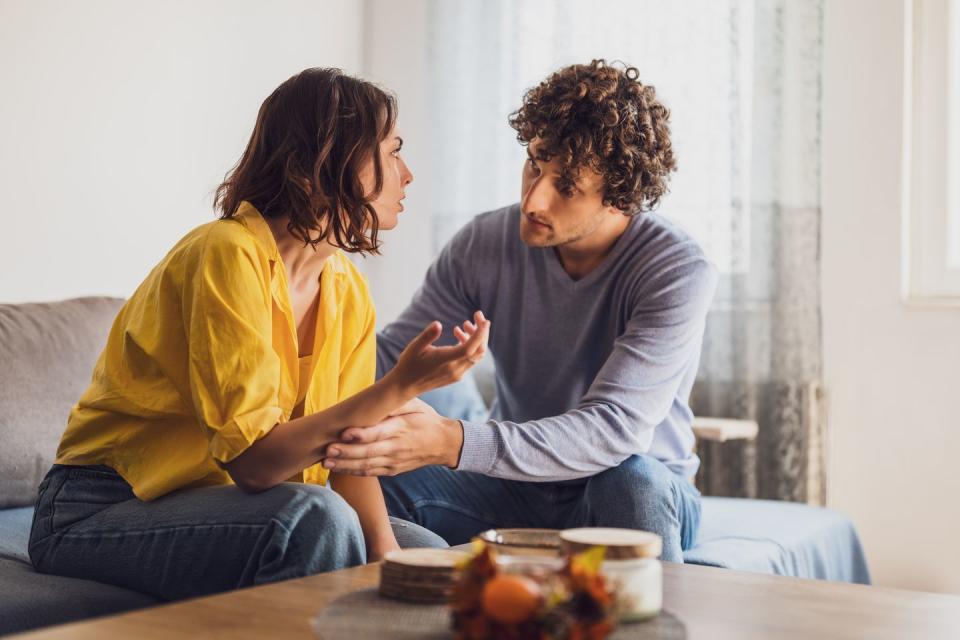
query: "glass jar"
630, 563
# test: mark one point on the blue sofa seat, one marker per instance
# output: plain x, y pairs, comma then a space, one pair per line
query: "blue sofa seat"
783, 538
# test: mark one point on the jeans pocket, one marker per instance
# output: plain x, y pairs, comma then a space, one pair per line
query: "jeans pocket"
43, 511
84, 492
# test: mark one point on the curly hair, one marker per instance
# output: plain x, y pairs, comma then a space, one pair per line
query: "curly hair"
312, 137
600, 116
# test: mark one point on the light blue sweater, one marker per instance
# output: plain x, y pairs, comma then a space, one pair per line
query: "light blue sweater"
588, 372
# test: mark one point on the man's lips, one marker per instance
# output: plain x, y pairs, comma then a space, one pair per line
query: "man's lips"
536, 222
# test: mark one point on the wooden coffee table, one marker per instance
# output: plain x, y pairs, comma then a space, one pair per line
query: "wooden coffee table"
712, 604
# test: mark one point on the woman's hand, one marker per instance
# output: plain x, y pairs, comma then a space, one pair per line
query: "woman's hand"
423, 367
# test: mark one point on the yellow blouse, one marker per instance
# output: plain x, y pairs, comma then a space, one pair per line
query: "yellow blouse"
202, 360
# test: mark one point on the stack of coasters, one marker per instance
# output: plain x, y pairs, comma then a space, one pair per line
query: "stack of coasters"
420, 575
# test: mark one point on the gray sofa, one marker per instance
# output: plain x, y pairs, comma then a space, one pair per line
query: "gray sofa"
47, 352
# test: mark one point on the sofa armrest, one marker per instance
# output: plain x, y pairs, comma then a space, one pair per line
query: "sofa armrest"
723, 429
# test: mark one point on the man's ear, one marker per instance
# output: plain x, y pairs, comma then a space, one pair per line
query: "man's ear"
615, 211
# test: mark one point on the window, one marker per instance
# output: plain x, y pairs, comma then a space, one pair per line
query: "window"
932, 145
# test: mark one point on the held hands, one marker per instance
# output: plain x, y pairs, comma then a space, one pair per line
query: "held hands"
416, 405
423, 367
413, 435
400, 443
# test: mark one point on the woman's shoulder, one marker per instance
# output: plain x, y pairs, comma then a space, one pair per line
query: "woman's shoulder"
353, 283
222, 241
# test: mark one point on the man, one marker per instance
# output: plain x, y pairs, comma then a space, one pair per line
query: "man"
597, 308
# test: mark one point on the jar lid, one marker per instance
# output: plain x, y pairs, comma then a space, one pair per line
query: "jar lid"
621, 544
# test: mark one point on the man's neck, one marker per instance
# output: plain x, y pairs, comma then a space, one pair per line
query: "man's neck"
582, 256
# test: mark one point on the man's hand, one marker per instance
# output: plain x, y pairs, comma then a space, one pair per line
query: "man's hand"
400, 443
416, 405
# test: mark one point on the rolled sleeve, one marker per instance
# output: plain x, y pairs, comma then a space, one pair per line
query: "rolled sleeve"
233, 438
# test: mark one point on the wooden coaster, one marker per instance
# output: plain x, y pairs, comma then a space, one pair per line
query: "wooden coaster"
419, 575
426, 558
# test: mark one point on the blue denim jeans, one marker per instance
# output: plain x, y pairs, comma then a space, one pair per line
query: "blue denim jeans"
88, 524
641, 493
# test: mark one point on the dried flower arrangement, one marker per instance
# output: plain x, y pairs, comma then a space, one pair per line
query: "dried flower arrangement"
574, 602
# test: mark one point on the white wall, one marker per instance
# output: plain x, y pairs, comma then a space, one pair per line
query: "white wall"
893, 371
118, 119
394, 56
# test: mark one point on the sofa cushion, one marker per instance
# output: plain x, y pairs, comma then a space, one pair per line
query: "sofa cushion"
784, 538
48, 352
32, 599
29, 599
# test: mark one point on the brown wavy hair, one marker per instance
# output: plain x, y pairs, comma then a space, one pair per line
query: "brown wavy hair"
601, 116
313, 135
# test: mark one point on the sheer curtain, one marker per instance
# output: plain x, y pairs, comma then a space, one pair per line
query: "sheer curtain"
742, 81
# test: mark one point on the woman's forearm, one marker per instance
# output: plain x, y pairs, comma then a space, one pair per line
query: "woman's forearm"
366, 498
293, 446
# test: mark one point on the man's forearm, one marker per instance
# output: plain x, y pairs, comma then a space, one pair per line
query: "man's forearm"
573, 445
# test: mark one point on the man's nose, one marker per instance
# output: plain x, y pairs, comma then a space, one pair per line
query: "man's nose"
537, 197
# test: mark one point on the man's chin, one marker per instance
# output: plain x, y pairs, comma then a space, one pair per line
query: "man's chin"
536, 239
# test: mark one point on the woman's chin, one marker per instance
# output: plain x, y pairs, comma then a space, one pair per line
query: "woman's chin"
388, 222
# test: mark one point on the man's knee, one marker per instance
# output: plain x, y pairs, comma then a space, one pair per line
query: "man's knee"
640, 477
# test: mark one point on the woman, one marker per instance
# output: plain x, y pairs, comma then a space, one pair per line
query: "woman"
191, 463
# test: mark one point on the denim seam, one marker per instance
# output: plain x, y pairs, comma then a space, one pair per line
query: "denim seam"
451, 507
53, 507
119, 534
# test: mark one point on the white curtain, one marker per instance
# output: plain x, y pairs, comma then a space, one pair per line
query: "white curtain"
742, 82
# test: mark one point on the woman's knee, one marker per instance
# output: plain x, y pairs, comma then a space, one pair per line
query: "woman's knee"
318, 531
315, 511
